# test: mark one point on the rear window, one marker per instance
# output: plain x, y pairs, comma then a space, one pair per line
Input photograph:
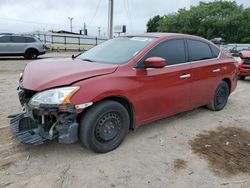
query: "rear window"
18, 39
4, 39
30, 39
199, 50
215, 51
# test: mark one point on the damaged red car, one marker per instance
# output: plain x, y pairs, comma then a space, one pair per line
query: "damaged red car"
120, 85
244, 67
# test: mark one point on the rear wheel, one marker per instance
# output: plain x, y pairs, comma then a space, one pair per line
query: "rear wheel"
31, 54
242, 77
220, 97
104, 126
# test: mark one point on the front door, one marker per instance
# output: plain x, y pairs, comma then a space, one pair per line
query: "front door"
164, 91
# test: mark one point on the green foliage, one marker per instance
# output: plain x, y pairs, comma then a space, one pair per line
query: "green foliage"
153, 24
220, 18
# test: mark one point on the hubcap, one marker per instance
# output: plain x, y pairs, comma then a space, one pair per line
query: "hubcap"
108, 127
221, 96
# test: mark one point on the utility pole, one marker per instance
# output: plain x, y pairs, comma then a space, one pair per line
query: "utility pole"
70, 20
111, 19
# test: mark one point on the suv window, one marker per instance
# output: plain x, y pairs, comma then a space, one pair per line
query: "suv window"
173, 51
30, 39
4, 39
198, 50
18, 39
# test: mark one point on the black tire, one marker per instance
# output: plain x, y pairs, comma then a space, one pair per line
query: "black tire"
104, 126
31, 54
220, 97
241, 77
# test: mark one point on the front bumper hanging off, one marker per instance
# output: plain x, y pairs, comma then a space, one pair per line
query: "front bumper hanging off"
30, 130
30, 134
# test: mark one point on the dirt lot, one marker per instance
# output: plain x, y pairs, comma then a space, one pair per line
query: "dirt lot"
173, 152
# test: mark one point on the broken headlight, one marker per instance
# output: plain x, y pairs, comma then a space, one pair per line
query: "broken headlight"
54, 96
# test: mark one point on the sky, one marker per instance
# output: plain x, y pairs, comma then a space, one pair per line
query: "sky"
32, 15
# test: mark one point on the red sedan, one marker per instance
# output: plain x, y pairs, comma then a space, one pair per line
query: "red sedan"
119, 85
244, 67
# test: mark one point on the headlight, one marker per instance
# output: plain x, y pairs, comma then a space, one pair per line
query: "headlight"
54, 96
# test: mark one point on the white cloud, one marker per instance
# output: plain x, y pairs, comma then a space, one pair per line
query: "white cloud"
53, 14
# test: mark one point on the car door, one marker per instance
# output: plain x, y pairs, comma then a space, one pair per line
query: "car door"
206, 71
5, 45
165, 91
18, 44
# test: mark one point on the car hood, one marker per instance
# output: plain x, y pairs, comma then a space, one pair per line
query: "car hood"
245, 54
44, 74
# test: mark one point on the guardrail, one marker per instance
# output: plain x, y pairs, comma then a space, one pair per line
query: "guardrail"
68, 42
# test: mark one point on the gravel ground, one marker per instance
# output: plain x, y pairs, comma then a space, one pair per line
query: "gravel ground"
157, 155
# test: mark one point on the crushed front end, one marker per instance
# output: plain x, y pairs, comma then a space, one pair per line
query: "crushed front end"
40, 122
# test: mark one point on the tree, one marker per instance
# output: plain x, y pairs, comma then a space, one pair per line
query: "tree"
153, 24
220, 18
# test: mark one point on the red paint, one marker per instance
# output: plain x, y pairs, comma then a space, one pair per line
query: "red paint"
50, 73
244, 67
153, 93
245, 53
155, 62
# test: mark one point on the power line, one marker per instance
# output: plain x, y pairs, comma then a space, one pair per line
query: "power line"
41, 23
127, 8
96, 11
30, 22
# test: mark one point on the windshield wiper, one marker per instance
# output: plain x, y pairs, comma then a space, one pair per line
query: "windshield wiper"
89, 60
73, 56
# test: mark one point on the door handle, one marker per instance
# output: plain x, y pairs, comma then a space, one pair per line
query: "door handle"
184, 76
216, 70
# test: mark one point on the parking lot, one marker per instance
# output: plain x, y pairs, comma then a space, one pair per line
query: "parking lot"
160, 154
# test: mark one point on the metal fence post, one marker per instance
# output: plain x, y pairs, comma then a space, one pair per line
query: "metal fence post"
65, 45
52, 42
96, 41
45, 42
79, 42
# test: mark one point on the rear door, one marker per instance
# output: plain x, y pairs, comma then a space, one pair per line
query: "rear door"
5, 45
18, 44
206, 71
165, 91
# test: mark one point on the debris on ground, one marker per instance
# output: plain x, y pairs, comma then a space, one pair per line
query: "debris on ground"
180, 164
226, 149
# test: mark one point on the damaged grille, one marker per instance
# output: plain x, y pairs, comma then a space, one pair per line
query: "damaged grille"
25, 96
246, 61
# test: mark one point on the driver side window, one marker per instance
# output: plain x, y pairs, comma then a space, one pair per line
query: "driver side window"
173, 51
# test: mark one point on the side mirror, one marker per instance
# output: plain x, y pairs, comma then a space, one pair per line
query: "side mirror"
155, 62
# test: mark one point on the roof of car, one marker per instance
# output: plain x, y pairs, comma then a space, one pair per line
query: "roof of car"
18, 35
170, 35
164, 35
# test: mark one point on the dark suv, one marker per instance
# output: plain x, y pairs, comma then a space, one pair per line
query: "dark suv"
19, 45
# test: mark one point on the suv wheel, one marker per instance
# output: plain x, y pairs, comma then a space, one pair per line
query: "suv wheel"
31, 54
104, 126
220, 97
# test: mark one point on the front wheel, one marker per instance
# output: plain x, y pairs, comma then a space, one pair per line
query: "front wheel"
104, 126
220, 97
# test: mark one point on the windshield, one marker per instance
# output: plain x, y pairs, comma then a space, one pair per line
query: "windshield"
117, 51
